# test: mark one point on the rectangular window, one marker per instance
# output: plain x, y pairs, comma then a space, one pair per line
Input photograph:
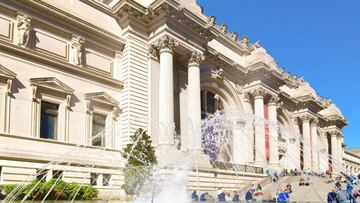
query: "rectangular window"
56, 174
93, 178
48, 120
106, 179
98, 130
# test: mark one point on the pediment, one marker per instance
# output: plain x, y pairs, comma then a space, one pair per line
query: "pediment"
102, 97
51, 83
4, 72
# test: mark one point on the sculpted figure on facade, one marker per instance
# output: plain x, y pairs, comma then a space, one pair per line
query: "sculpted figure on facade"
223, 28
245, 42
211, 21
24, 28
234, 36
256, 45
77, 50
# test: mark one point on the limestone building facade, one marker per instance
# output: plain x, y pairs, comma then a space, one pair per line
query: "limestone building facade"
75, 69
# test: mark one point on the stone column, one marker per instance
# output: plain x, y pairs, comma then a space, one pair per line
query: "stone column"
166, 93
274, 134
315, 146
248, 138
239, 145
306, 142
334, 152
194, 101
294, 146
260, 152
340, 152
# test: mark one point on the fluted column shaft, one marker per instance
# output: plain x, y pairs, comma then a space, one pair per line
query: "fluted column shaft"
306, 143
260, 152
194, 100
274, 134
315, 147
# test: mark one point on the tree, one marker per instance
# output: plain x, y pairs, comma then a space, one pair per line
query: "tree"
141, 158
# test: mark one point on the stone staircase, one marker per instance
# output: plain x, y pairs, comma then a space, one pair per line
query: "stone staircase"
317, 192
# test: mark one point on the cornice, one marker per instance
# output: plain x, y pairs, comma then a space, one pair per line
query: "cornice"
72, 21
87, 72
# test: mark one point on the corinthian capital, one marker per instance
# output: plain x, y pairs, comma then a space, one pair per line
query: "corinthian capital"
259, 93
153, 52
274, 100
195, 59
167, 43
314, 122
305, 118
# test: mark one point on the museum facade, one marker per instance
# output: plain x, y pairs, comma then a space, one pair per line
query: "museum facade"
78, 77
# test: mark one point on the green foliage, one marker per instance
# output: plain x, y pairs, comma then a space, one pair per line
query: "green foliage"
141, 157
59, 190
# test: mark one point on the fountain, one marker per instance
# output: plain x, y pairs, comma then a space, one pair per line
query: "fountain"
164, 183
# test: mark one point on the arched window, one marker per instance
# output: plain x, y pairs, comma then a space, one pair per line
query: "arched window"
210, 103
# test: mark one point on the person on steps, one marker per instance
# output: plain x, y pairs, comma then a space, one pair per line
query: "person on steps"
194, 196
331, 197
248, 196
204, 197
236, 197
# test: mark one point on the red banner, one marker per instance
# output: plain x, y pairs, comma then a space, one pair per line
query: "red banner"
267, 132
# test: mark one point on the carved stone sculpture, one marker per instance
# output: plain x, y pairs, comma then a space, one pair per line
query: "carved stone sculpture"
77, 50
24, 28
211, 21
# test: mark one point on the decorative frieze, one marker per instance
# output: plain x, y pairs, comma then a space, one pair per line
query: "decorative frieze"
24, 29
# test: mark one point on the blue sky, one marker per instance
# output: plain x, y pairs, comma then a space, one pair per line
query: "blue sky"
317, 39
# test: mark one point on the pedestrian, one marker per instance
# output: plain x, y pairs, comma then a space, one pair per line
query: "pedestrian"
204, 197
248, 196
344, 196
221, 196
289, 188
228, 197
283, 197
331, 197
236, 197
194, 196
